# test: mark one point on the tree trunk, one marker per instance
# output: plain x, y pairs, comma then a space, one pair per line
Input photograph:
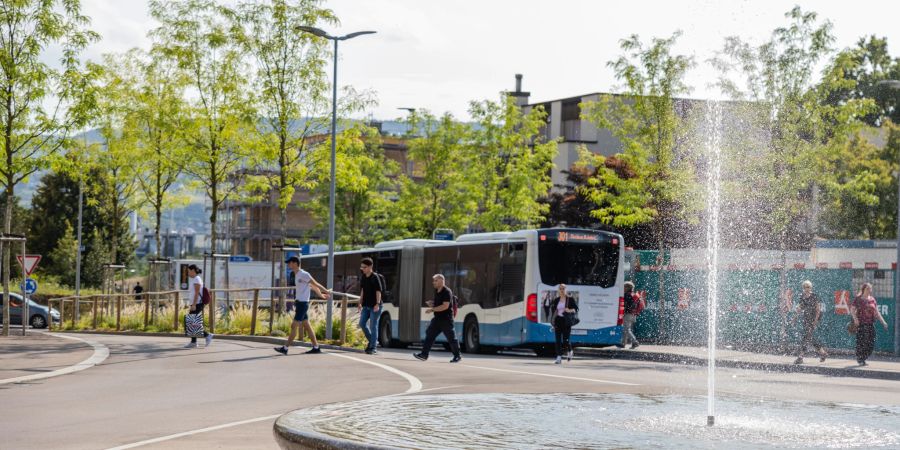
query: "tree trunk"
7, 228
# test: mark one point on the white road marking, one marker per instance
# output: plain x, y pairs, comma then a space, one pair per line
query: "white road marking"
415, 385
193, 432
101, 352
551, 375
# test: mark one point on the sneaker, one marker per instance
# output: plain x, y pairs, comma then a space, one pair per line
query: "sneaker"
822, 356
368, 351
862, 363
558, 360
798, 361
374, 352
456, 359
191, 345
635, 345
620, 346
282, 350
421, 357
313, 351
569, 356
209, 338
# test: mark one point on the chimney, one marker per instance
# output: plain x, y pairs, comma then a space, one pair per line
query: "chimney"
521, 97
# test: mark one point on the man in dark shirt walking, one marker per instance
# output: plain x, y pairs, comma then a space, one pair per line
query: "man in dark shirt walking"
442, 307
810, 312
370, 295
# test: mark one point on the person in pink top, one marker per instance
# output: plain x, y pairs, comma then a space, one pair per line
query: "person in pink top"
864, 311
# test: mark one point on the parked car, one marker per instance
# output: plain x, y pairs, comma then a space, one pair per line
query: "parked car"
38, 314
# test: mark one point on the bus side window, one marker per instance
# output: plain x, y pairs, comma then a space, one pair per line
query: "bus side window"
387, 264
512, 274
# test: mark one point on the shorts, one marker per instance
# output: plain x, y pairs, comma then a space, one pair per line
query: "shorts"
300, 311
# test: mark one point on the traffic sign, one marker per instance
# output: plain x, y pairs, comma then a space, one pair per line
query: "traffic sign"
29, 262
30, 286
239, 258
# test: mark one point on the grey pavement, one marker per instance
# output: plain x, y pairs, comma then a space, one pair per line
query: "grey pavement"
38, 352
836, 364
153, 393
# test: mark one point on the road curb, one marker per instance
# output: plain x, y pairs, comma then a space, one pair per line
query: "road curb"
99, 354
230, 337
671, 358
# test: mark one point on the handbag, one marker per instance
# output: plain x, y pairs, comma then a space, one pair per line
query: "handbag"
852, 328
193, 325
571, 319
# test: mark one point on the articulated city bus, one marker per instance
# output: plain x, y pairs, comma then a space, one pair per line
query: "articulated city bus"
504, 281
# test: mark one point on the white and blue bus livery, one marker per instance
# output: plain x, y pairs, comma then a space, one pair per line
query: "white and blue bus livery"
504, 282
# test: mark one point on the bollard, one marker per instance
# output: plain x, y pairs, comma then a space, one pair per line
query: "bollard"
119, 313
176, 308
95, 311
146, 311
253, 313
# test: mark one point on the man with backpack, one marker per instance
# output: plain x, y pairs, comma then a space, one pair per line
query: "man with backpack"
371, 290
443, 308
634, 304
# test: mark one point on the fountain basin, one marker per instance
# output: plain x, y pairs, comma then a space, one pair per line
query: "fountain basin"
532, 421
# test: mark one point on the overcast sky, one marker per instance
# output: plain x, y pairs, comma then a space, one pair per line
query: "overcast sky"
440, 55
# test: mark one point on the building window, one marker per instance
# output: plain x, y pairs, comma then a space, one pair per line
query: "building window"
571, 121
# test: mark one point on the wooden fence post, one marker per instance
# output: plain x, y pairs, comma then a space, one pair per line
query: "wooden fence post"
74, 313
95, 299
177, 308
271, 312
50, 314
253, 314
119, 302
146, 311
343, 320
212, 312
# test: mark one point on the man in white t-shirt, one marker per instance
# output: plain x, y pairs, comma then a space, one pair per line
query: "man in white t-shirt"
304, 282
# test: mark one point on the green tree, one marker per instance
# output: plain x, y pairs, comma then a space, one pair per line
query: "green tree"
860, 198
39, 104
114, 186
509, 164
791, 132
292, 86
198, 35
97, 255
155, 119
365, 183
56, 201
439, 194
62, 257
653, 130
866, 65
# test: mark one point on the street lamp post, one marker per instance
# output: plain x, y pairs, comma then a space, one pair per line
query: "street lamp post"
331, 199
895, 84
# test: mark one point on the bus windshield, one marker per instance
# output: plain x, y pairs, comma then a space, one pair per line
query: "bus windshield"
578, 258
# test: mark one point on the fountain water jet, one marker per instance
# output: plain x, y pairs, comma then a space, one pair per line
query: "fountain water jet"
713, 176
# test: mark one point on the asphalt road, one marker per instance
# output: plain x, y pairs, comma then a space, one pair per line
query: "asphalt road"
152, 392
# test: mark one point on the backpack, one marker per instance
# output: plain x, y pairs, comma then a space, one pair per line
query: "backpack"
641, 304
205, 296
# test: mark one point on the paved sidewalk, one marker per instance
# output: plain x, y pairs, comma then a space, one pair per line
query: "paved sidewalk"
38, 352
879, 366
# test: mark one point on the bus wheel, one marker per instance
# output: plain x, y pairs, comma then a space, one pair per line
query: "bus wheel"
471, 337
384, 331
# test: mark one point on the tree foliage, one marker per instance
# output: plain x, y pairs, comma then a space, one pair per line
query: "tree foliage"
509, 164
652, 125
197, 34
